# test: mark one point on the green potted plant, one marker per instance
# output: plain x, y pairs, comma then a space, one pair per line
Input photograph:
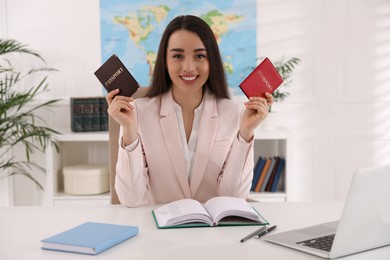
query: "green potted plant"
19, 122
285, 69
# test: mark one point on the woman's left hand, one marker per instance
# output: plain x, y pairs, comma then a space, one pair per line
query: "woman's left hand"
255, 113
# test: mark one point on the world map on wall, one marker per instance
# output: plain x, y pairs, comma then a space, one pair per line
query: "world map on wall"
132, 30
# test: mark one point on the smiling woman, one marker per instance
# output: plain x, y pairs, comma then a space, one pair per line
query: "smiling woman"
186, 139
188, 67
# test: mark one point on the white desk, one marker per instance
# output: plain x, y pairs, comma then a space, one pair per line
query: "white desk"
22, 228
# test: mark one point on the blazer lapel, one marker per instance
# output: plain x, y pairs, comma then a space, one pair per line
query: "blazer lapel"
170, 129
207, 129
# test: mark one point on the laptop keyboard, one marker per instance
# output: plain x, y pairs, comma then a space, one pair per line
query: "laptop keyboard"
322, 243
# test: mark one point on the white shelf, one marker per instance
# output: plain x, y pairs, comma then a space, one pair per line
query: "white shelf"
269, 133
75, 148
268, 196
68, 136
62, 198
92, 147
269, 142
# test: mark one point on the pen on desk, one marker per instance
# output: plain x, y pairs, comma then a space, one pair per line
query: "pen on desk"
252, 234
264, 232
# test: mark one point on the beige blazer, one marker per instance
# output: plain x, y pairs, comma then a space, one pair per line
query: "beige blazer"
155, 171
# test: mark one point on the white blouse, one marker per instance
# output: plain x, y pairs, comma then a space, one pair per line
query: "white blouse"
190, 147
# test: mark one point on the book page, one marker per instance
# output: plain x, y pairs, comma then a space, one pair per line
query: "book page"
221, 207
181, 212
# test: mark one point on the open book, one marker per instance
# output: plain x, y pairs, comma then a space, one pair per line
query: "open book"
218, 211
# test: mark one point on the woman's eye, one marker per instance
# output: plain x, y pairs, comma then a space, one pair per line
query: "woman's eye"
177, 56
200, 56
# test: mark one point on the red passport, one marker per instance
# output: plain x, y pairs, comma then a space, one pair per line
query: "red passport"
264, 78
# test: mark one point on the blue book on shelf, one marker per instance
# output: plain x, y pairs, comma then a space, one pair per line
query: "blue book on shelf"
89, 238
279, 171
267, 177
256, 171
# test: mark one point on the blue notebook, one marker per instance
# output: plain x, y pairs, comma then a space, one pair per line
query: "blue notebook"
89, 238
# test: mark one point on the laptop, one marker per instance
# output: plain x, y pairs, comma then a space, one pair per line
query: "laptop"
364, 223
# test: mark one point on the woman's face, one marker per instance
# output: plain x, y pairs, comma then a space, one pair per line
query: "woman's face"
187, 62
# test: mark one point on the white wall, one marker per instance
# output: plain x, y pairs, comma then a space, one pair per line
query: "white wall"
339, 105
67, 34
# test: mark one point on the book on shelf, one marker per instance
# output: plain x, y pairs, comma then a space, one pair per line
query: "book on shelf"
103, 114
257, 171
113, 74
268, 174
88, 114
217, 211
264, 78
94, 115
278, 174
263, 174
77, 114
273, 173
89, 238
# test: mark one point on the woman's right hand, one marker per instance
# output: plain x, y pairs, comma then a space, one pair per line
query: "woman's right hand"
120, 109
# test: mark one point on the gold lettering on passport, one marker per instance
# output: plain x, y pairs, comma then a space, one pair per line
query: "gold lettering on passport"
113, 77
264, 79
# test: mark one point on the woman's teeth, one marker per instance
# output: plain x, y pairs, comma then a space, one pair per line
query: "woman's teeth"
189, 78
